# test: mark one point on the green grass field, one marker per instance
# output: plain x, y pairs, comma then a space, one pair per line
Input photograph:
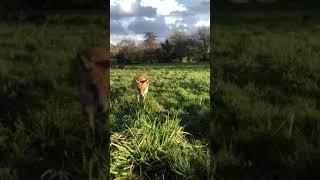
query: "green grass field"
266, 121
42, 131
41, 126
266, 79
166, 136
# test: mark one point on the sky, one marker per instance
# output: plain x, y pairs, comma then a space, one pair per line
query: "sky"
132, 18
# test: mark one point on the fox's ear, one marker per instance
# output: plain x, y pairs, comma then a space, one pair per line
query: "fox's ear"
136, 80
145, 81
88, 65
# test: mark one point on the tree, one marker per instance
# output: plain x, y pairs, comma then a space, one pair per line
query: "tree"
114, 49
202, 39
124, 54
179, 39
126, 43
166, 52
150, 39
149, 42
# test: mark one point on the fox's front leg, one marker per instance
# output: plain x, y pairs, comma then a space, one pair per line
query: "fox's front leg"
138, 98
143, 101
89, 112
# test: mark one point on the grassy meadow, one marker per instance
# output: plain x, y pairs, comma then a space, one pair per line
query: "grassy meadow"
166, 137
42, 132
266, 77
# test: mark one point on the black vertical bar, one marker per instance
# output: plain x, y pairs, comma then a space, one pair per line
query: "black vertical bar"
212, 87
108, 129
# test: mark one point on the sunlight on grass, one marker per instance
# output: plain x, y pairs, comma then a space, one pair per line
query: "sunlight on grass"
158, 145
151, 141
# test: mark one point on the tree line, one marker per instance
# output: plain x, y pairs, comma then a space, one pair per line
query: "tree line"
179, 47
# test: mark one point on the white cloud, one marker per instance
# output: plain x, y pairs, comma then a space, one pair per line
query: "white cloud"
149, 19
203, 23
164, 7
132, 18
171, 19
126, 6
116, 38
116, 27
127, 21
130, 8
158, 26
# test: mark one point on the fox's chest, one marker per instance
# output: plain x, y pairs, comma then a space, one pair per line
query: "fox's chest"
145, 91
136, 90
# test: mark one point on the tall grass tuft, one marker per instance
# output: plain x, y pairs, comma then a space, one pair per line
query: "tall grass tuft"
157, 148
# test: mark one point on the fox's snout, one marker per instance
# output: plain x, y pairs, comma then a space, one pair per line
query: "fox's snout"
141, 92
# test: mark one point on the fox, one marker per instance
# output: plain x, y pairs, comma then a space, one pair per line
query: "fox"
91, 73
140, 85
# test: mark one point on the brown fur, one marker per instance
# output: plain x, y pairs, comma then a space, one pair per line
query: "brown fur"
140, 85
92, 67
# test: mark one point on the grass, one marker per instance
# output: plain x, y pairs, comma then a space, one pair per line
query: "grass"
41, 126
163, 138
266, 97
42, 131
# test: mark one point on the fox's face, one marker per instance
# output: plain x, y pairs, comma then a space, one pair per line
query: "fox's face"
140, 84
93, 66
90, 71
96, 86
